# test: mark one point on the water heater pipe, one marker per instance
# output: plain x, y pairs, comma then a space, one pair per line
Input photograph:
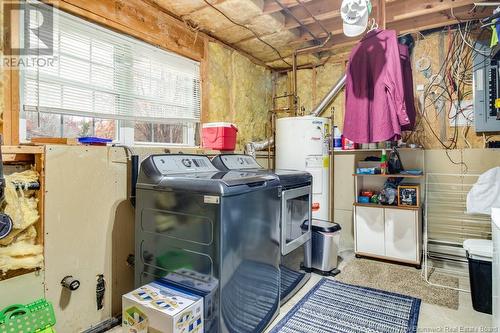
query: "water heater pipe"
252, 147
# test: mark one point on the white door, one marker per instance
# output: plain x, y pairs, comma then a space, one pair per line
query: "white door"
401, 234
369, 230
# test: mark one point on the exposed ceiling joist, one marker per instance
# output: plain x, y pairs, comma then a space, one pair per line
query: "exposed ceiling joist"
399, 11
321, 9
409, 25
295, 24
272, 6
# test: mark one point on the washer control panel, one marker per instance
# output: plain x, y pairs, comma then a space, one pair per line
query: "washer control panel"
238, 162
171, 164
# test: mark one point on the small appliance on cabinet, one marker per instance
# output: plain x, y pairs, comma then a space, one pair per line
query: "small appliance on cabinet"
295, 209
212, 234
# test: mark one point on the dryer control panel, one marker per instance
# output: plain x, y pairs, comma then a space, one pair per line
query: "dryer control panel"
239, 162
172, 164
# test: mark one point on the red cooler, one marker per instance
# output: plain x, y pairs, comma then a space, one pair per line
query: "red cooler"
219, 136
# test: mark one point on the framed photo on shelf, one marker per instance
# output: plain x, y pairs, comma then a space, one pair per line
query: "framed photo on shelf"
409, 195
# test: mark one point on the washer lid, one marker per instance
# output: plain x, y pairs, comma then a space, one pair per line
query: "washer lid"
288, 178
479, 248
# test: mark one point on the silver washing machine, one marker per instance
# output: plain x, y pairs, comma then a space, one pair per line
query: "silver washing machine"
295, 210
211, 233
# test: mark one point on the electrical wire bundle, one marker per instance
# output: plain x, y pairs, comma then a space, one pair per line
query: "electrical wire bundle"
451, 85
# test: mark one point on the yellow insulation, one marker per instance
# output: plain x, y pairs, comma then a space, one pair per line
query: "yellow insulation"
18, 249
326, 77
240, 92
22, 210
8, 263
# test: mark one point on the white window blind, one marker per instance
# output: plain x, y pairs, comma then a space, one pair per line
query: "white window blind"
102, 74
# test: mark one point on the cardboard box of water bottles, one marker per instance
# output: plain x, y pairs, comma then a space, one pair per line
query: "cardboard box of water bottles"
156, 308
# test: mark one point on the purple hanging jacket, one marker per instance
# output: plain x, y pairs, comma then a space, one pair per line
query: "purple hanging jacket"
404, 54
375, 94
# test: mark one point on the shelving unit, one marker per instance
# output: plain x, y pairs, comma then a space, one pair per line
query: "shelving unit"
375, 150
357, 204
399, 175
389, 232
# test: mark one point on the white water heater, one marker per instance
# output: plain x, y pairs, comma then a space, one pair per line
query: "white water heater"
302, 144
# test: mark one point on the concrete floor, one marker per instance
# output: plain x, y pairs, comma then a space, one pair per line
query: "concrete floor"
432, 318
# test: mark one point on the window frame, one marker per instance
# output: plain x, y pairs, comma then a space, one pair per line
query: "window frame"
124, 129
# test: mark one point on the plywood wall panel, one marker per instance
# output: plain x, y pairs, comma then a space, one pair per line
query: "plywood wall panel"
85, 186
22, 289
88, 231
3, 81
435, 47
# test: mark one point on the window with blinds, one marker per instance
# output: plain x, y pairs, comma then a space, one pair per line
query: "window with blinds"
102, 81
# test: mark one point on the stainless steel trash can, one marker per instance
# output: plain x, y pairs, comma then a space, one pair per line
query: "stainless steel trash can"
325, 246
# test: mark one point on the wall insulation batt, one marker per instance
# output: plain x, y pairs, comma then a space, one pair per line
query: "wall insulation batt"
239, 91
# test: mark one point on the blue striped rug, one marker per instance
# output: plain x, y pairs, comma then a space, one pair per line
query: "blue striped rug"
335, 307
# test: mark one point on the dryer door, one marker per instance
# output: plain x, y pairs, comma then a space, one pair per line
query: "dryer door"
295, 209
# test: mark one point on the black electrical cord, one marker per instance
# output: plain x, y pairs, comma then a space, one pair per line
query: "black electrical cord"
455, 71
253, 32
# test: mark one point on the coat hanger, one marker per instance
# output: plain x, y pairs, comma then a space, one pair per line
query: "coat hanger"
373, 25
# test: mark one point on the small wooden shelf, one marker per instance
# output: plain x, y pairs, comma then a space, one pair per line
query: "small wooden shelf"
374, 150
388, 175
386, 206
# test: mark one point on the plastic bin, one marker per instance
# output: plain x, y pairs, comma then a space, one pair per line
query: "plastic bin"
219, 136
479, 255
325, 246
34, 317
94, 141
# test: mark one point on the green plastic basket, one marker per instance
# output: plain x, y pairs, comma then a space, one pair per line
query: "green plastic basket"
34, 317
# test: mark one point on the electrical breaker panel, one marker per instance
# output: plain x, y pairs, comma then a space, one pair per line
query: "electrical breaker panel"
486, 91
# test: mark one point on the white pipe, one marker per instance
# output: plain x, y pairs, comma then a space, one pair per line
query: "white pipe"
486, 4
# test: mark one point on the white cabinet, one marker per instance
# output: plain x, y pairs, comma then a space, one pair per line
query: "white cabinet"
370, 236
388, 233
401, 234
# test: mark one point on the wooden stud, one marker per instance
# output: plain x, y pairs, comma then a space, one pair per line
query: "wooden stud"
205, 85
381, 14
10, 117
